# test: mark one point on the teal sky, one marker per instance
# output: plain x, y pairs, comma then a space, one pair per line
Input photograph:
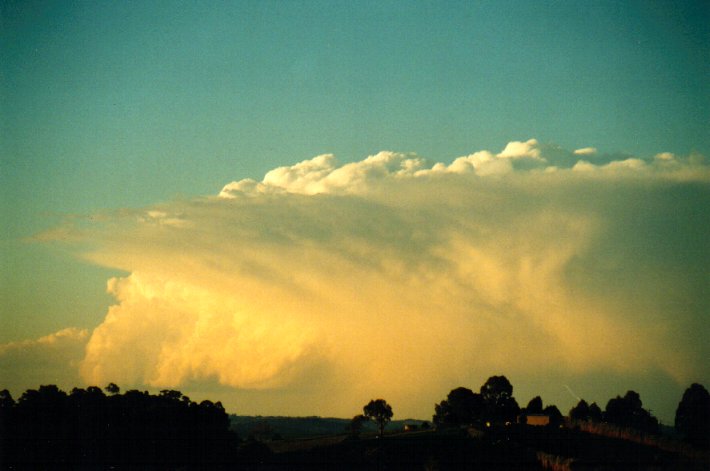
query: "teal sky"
108, 105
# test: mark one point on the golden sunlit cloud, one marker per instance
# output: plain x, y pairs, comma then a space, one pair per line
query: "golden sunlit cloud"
376, 277
53, 358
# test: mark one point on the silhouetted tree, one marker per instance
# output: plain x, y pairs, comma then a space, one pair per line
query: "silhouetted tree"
442, 414
580, 411
7, 432
6, 400
497, 394
171, 394
627, 411
48, 429
356, 424
586, 412
692, 417
461, 407
496, 388
595, 413
534, 406
379, 411
112, 388
554, 414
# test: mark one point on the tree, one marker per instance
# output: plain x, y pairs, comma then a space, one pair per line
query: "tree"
628, 411
554, 414
380, 412
461, 407
595, 412
534, 406
580, 411
692, 417
112, 388
356, 424
7, 429
171, 394
586, 412
6, 400
92, 430
495, 389
497, 395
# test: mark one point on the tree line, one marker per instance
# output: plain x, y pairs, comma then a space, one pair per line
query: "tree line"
692, 417
93, 428
495, 405
90, 427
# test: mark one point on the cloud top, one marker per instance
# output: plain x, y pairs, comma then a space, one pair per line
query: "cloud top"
323, 173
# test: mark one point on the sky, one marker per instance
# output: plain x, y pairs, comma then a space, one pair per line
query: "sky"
295, 207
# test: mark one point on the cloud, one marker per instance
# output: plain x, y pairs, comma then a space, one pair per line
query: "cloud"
341, 282
586, 151
52, 359
189, 331
322, 174
520, 150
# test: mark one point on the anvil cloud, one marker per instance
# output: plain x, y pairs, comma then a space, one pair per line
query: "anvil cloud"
326, 284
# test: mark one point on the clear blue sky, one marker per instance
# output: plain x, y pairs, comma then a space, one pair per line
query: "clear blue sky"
108, 104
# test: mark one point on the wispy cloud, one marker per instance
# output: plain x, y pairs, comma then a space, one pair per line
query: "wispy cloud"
395, 273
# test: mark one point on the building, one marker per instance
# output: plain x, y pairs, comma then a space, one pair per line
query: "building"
537, 420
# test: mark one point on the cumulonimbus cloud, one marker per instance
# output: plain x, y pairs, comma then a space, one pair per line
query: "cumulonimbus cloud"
53, 358
394, 273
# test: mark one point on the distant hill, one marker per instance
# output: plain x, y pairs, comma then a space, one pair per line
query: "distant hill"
266, 427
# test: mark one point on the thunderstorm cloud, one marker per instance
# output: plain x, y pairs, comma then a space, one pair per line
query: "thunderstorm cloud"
53, 358
326, 284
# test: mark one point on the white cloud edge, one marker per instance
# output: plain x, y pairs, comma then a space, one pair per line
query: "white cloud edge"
324, 175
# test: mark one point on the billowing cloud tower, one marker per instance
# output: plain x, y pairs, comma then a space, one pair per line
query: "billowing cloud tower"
326, 284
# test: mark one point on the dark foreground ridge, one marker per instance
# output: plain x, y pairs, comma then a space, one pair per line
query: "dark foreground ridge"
89, 429
516, 447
